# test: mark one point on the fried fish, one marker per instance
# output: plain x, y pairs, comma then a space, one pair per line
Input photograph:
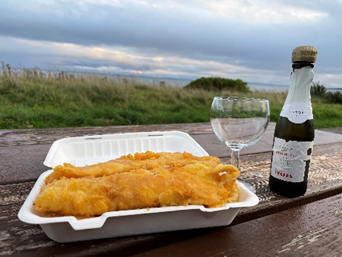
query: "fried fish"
142, 180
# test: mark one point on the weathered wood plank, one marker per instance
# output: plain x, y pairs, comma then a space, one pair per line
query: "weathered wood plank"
17, 237
324, 181
22, 152
48, 136
310, 230
22, 163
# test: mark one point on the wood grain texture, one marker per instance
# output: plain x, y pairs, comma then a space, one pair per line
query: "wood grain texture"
324, 181
310, 230
48, 136
23, 151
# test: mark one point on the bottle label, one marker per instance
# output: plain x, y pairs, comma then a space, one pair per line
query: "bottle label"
290, 159
297, 112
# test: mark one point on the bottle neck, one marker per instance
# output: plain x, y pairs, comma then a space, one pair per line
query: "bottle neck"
298, 65
301, 79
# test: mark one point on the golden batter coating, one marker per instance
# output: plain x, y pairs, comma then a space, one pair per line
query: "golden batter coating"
142, 180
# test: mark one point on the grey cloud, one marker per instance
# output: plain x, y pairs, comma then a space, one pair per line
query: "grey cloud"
174, 32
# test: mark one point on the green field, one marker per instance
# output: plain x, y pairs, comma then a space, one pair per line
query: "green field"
33, 99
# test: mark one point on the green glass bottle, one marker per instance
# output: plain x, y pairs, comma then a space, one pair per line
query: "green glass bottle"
294, 131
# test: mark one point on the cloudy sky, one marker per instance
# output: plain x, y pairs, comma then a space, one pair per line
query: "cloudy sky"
247, 39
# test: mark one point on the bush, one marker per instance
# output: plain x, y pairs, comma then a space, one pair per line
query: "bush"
317, 89
334, 97
219, 84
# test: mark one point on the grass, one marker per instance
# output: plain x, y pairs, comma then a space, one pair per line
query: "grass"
33, 99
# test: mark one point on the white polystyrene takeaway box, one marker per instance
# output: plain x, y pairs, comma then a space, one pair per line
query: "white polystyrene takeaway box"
93, 149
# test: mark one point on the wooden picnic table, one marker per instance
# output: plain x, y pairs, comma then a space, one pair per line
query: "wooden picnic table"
310, 225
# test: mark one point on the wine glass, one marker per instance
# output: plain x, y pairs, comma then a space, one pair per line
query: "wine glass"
239, 122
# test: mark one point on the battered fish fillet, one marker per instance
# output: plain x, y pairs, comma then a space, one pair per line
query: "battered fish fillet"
148, 160
140, 181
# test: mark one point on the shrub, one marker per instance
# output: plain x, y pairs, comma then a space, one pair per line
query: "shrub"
334, 97
317, 89
218, 84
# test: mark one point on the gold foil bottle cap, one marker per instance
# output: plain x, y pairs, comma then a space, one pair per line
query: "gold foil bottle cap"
304, 54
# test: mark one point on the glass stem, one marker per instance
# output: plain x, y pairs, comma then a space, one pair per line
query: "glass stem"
235, 158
